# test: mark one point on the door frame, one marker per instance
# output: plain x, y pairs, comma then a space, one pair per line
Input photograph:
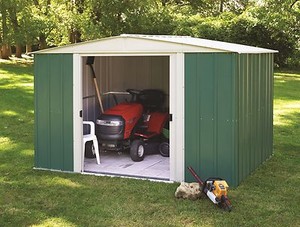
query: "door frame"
176, 100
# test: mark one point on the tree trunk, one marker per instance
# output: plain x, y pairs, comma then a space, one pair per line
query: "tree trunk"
74, 33
221, 6
18, 51
5, 51
5, 48
43, 43
18, 37
294, 2
74, 36
28, 48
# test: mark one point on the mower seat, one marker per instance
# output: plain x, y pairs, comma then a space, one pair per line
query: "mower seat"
155, 125
151, 99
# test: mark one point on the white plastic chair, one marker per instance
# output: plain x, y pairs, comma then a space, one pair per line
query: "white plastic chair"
91, 137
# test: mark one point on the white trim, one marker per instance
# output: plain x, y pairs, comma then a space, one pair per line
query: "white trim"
53, 170
176, 75
127, 177
77, 120
153, 43
177, 111
125, 54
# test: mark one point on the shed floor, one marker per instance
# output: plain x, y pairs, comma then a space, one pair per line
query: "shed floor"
153, 166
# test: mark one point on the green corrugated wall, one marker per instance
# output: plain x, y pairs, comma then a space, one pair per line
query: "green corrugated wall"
228, 113
255, 111
209, 114
53, 82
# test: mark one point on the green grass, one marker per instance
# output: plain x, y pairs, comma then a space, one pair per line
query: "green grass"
268, 197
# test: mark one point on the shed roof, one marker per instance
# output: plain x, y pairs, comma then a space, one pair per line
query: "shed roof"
136, 43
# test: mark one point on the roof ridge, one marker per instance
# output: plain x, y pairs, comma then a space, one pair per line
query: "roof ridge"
145, 35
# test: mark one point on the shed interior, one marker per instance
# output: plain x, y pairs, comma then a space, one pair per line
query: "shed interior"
116, 74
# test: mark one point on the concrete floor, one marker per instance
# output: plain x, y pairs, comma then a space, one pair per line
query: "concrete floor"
154, 166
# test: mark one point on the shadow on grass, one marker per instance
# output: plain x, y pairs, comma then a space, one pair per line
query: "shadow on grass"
286, 136
17, 102
17, 115
31, 197
287, 130
57, 199
288, 87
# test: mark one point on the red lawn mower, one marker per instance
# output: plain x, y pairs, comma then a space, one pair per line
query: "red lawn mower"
134, 124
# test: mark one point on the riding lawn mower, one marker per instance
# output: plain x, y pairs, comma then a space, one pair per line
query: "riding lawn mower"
134, 124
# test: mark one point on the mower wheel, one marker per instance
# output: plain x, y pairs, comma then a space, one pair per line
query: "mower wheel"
137, 150
89, 150
164, 149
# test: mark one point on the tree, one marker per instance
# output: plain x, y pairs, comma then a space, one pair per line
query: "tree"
41, 11
78, 9
272, 24
4, 37
207, 8
17, 34
14, 30
283, 21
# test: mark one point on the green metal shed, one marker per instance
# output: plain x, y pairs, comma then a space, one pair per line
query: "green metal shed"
220, 97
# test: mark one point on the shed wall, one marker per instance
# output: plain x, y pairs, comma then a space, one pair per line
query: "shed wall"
210, 115
54, 111
228, 114
254, 110
118, 73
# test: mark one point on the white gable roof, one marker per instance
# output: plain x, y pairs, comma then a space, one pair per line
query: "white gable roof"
129, 43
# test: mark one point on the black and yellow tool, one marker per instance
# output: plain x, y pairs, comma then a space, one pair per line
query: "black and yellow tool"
216, 190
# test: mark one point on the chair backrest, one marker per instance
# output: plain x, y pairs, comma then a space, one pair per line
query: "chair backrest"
92, 126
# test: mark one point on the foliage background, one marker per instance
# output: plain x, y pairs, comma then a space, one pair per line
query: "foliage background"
40, 24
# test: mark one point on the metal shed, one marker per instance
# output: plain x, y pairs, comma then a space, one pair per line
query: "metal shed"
220, 98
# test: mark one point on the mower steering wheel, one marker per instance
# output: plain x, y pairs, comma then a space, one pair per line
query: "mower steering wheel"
134, 93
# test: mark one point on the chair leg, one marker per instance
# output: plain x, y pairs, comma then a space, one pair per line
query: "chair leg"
83, 149
95, 143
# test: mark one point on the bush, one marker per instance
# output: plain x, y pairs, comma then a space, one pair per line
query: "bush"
293, 61
243, 29
251, 31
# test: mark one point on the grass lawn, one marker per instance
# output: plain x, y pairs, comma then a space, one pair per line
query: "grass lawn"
269, 197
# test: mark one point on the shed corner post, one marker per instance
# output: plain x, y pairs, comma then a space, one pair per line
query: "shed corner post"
177, 167
77, 107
